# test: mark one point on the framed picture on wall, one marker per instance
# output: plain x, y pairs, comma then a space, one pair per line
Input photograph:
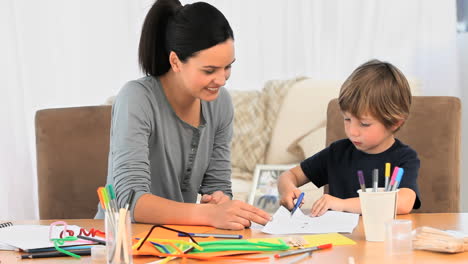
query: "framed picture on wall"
264, 194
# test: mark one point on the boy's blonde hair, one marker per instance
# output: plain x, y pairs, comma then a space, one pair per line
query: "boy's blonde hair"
379, 89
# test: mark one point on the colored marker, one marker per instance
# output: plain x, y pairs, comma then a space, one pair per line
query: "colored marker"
298, 202
298, 259
392, 180
398, 179
112, 198
101, 197
211, 235
375, 180
387, 175
361, 180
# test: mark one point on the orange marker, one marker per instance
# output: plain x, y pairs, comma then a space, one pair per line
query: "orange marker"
101, 198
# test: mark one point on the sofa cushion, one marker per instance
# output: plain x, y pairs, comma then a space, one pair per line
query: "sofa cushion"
304, 108
310, 143
255, 113
250, 133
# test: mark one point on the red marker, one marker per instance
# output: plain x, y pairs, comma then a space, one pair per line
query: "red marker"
392, 181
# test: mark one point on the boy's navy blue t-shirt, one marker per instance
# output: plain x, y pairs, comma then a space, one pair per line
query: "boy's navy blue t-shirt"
337, 166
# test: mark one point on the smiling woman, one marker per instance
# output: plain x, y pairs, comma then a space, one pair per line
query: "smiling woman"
201, 76
171, 130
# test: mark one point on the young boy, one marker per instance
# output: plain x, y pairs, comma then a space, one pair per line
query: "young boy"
375, 101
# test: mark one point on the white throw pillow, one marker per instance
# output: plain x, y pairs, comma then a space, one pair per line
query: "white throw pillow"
309, 144
303, 108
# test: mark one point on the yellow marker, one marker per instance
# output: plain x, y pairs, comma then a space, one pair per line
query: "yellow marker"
387, 175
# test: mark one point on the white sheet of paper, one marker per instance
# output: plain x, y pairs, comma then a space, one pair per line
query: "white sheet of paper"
33, 236
7, 247
255, 226
298, 223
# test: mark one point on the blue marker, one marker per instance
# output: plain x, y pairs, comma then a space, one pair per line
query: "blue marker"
298, 202
398, 179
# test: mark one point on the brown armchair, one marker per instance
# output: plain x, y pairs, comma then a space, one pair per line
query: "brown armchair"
433, 130
72, 149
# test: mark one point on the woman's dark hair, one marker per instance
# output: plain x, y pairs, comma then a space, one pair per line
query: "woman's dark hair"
169, 26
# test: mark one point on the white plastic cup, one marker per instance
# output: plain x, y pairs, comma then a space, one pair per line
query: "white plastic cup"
377, 209
398, 237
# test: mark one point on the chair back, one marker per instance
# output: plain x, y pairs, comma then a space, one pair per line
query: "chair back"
72, 150
433, 130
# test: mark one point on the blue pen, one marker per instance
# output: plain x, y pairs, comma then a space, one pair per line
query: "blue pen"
298, 202
398, 179
212, 235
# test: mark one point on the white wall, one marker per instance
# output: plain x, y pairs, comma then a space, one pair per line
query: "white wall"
462, 41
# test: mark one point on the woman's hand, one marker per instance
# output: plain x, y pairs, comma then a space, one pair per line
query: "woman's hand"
236, 215
288, 198
327, 202
215, 198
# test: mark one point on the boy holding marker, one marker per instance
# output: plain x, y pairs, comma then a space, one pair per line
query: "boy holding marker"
375, 101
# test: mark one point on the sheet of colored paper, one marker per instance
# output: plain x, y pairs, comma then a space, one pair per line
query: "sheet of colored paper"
167, 234
330, 238
313, 240
210, 256
149, 250
161, 233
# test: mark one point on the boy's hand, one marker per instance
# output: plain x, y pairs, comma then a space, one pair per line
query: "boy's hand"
288, 199
327, 202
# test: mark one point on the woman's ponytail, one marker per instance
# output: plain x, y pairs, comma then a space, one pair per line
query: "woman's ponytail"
152, 52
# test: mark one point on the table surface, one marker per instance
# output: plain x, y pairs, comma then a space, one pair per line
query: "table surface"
362, 252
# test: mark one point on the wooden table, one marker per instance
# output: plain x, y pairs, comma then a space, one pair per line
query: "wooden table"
363, 252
